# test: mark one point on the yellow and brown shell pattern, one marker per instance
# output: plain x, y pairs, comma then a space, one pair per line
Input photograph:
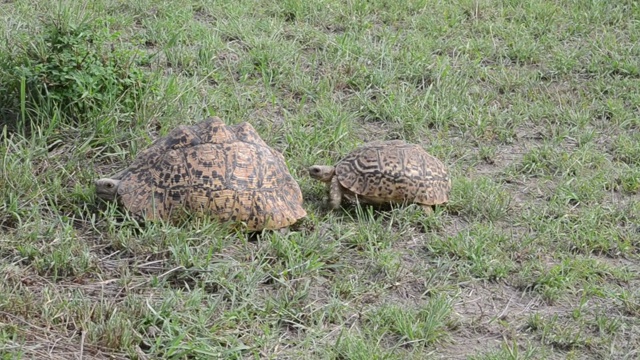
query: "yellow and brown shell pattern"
394, 172
227, 172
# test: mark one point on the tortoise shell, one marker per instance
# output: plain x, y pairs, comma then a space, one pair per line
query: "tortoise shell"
394, 172
213, 169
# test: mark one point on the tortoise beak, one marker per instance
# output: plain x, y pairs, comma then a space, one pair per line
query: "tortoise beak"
107, 189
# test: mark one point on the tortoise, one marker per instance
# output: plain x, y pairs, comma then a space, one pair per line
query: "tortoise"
224, 171
386, 172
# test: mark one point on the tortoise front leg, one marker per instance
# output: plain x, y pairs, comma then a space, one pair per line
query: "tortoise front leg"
428, 209
335, 193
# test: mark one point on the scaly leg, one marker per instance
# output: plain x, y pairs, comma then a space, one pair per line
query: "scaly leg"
335, 193
428, 209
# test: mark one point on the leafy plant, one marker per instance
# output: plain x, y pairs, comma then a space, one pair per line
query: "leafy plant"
73, 69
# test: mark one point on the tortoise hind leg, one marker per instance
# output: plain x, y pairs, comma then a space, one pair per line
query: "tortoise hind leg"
335, 193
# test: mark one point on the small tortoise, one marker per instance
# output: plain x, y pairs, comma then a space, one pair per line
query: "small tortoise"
386, 172
226, 172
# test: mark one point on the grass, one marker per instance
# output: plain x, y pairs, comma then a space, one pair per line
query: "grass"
534, 106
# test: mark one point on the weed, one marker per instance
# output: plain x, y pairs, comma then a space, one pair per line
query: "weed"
75, 69
479, 199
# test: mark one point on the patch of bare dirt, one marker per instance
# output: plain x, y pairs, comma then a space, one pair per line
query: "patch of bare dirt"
489, 314
370, 131
38, 339
204, 16
46, 343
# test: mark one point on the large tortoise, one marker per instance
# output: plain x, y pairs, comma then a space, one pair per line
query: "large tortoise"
226, 172
386, 172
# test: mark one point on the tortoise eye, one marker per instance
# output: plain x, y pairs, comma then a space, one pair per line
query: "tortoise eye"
109, 185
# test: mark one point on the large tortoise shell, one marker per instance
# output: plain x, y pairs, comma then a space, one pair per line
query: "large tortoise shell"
227, 172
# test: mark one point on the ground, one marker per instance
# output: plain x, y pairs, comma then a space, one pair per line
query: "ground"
534, 107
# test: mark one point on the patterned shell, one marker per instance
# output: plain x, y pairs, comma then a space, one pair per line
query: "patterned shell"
395, 171
227, 172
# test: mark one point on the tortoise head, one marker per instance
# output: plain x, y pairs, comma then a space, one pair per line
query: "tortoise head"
107, 189
323, 173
